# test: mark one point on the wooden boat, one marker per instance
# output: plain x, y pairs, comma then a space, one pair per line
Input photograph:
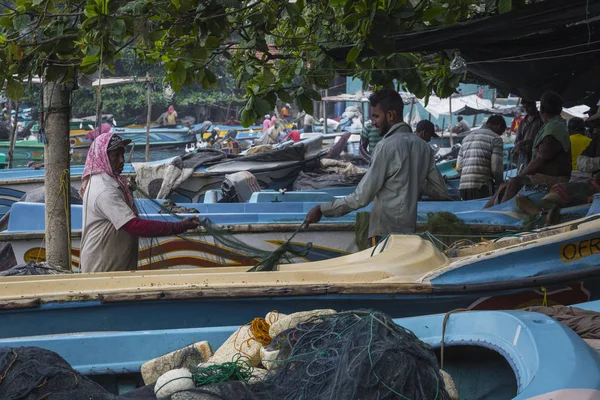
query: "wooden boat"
402, 276
158, 135
489, 354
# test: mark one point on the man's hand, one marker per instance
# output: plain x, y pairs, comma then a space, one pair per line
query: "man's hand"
313, 216
191, 223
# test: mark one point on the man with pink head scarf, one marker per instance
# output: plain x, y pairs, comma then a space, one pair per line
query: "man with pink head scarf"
111, 225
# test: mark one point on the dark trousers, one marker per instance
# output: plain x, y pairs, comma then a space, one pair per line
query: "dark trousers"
474, 194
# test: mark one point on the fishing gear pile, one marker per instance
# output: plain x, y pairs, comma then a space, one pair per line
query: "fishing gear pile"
353, 355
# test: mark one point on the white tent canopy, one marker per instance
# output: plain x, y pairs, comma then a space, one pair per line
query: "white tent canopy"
469, 104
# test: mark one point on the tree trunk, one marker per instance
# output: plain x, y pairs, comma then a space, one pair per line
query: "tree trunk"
57, 171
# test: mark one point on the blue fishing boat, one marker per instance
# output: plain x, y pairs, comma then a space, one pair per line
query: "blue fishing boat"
404, 275
273, 173
488, 354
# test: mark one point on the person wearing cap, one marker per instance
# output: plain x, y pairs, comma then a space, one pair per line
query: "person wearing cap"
267, 123
111, 225
426, 130
579, 142
526, 133
479, 161
402, 169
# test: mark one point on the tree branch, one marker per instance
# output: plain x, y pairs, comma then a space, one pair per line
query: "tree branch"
54, 39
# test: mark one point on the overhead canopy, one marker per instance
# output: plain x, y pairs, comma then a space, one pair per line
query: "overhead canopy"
363, 97
552, 44
464, 105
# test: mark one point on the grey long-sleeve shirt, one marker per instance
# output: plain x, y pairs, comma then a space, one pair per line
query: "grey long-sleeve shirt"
402, 168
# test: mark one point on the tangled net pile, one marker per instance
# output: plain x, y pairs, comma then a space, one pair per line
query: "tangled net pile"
353, 355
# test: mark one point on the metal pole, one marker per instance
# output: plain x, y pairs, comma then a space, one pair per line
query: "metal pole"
13, 137
148, 116
450, 126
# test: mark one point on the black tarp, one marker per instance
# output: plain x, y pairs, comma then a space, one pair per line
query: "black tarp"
554, 44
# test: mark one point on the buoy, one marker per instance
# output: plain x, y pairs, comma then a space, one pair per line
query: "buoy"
173, 381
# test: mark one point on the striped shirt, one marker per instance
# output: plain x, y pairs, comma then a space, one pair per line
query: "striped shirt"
371, 133
480, 159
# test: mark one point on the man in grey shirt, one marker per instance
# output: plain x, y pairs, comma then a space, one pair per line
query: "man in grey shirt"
402, 168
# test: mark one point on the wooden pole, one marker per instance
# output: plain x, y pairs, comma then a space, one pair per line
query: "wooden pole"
148, 116
57, 97
13, 137
450, 125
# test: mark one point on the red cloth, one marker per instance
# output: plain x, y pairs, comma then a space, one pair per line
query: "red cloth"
149, 228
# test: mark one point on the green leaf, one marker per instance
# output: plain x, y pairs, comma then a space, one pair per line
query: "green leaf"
179, 74
337, 3
305, 103
212, 42
14, 89
284, 96
247, 117
262, 106
176, 3
504, 6
90, 11
433, 12
6, 21
292, 10
20, 22
353, 54
89, 60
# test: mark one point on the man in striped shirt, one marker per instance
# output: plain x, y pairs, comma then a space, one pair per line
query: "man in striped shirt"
480, 160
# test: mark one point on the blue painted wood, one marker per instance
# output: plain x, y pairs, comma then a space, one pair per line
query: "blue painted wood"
545, 355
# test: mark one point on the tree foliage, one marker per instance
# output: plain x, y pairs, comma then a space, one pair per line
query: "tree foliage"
278, 49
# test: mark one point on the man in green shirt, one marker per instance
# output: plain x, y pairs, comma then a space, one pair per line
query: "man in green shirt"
369, 138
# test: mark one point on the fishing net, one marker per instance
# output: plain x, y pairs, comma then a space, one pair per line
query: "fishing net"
264, 260
32, 268
353, 355
32, 373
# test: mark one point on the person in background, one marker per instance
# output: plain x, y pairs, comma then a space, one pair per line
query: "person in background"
479, 161
369, 137
426, 130
526, 133
551, 163
309, 121
294, 135
111, 224
285, 111
402, 169
170, 116
589, 160
461, 126
229, 143
579, 142
267, 123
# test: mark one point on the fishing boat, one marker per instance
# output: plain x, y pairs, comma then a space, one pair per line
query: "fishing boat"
489, 354
404, 275
14, 183
25, 151
264, 222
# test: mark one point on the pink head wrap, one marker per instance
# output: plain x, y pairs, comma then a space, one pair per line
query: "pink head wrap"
97, 162
104, 128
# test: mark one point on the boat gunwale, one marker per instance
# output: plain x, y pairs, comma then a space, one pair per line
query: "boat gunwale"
244, 291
